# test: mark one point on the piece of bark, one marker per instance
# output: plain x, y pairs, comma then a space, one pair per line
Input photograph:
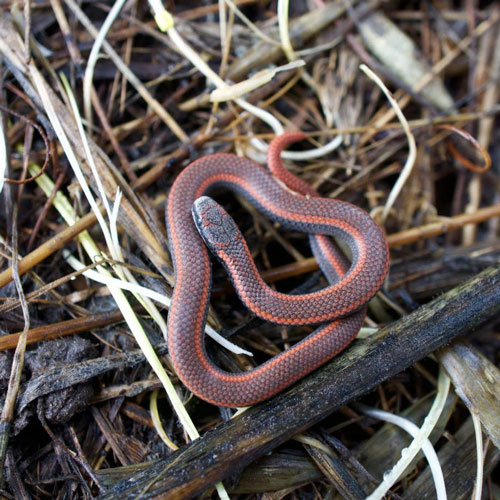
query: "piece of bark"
230, 447
399, 54
477, 382
62, 377
276, 472
335, 472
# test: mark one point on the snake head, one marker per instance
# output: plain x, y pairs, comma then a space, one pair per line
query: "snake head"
214, 224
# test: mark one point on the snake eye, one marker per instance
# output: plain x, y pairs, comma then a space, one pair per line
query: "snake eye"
214, 224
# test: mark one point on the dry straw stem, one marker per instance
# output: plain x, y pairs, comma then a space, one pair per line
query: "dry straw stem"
458, 460
92, 59
478, 487
413, 430
4, 160
383, 449
153, 409
254, 82
286, 42
62, 329
52, 245
420, 439
412, 147
259, 33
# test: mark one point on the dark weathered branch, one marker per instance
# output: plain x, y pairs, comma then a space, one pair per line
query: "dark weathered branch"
231, 446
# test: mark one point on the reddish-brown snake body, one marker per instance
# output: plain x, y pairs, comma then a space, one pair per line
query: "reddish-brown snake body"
340, 307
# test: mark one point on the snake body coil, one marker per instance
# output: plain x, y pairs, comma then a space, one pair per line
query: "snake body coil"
341, 304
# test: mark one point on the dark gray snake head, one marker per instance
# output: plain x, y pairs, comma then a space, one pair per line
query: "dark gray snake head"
214, 224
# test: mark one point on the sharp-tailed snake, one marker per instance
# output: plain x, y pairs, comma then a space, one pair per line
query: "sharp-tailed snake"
289, 201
